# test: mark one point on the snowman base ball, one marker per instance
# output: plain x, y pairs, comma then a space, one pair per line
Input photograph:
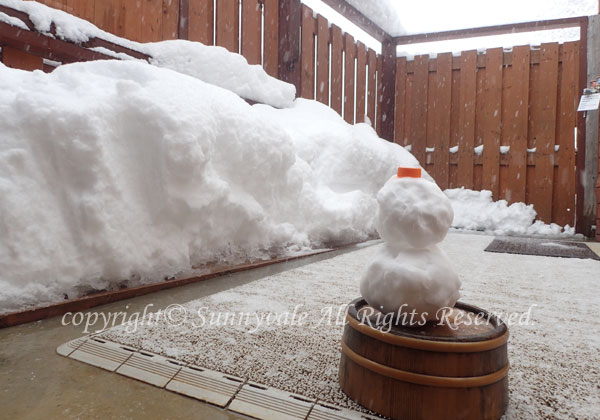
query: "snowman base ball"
418, 283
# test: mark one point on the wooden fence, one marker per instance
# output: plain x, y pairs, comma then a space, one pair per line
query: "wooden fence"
251, 27
519, 105
517, 108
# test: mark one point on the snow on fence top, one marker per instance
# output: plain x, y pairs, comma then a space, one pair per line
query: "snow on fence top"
213, 65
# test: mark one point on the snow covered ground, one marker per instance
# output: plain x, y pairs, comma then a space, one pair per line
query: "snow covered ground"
553, 350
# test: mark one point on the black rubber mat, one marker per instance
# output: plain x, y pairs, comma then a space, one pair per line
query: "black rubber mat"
542, 247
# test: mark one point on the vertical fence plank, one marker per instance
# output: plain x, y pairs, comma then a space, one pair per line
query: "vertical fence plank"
564, 201
380, 98
361, 78
442, 119
227, 27
418, 134
201, 24
492, 120
307, 82
322, 60
251, 31
454, 127
400, 100
466, 118
544, 117
371, 85
270, 35
337, 68
350, 55
105, 15
151, 20
432, 131
408, 108
84, 9
170, 19
131, 21
514, 129
289, 66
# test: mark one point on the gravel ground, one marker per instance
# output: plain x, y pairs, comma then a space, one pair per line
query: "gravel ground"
555, 364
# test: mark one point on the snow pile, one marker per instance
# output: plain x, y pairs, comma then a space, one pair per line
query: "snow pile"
219, 67
116, 173
213, 65
383, 13
475, 210
411, 275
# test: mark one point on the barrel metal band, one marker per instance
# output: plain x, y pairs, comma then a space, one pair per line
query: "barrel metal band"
427, 380
428, 345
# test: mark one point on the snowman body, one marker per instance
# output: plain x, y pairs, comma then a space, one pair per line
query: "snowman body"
411, 274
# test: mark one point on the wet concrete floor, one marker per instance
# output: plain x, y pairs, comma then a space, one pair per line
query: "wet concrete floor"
37, 383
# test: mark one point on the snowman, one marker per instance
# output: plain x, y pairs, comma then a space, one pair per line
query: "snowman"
410, 274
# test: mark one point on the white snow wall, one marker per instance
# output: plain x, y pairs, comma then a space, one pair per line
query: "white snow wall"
118, 173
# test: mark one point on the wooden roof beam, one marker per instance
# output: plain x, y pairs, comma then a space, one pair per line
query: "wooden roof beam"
353, 15
540, 25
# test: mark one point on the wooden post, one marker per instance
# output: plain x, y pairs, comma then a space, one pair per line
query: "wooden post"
290, 18
388, 91
587, 130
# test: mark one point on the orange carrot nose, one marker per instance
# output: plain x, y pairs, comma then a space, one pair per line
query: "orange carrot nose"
409, 172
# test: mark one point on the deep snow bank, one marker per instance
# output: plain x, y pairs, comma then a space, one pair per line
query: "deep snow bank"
475, 210
115, 172
211, 64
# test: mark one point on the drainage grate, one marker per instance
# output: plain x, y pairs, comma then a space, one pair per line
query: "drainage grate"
323, 411
270, 404
243, 397
101, 353
205, 385
70, 346
150, 368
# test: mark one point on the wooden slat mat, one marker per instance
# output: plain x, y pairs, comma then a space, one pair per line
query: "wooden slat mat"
542, 247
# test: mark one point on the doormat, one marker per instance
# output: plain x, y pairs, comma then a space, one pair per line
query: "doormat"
542, 247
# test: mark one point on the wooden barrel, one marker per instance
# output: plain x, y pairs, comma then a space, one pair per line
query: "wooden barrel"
449, 371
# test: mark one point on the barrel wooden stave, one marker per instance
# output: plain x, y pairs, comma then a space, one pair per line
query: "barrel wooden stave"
399, 399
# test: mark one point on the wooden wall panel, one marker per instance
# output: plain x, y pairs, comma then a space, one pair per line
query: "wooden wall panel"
466, 119
563, 201
545, 131
349, 67
441, 141
152, 20
227, 24
337, 68
400, 100
371, 85
418, 133
515, 117
361, 81
492, 121
201, 21
251, 31
322, 60
170, 19
307, 82
271, 37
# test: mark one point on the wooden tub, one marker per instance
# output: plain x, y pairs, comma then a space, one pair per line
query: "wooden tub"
430, 372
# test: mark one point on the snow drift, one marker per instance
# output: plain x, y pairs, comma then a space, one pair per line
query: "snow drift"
476, 210
120, 173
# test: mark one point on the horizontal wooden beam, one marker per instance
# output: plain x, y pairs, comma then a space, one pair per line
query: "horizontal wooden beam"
91, 43
540, 25
353, 15
45, 46
534, 58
